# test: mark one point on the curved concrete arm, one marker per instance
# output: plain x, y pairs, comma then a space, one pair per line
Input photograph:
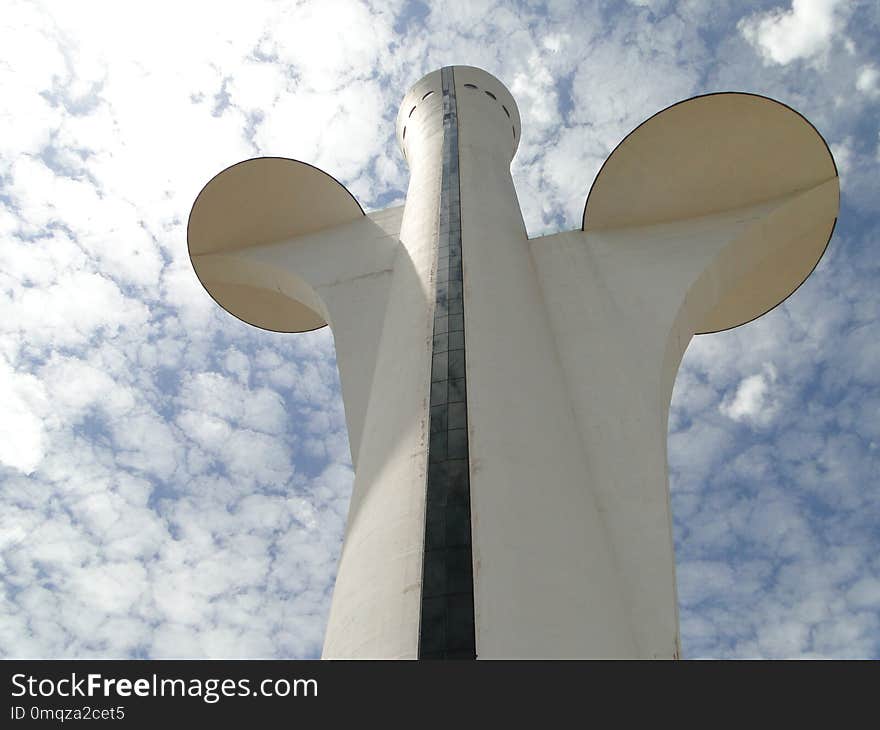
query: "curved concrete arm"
267, 202
283, 246
749, 182
706, 216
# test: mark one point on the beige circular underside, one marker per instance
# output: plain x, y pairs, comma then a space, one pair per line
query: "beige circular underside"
253, 203
716, 153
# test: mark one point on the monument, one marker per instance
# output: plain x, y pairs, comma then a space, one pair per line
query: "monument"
507, 398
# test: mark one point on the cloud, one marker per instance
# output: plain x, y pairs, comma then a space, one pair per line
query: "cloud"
22, 434
754, 398
806, 31
868, 81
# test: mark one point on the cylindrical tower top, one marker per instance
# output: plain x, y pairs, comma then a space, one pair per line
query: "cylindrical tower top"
421, 112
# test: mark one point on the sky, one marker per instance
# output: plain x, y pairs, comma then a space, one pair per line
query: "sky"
174, 483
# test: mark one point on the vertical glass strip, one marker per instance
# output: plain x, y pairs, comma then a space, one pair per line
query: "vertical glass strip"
446, 630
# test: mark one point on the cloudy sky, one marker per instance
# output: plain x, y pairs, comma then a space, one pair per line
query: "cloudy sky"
175, 483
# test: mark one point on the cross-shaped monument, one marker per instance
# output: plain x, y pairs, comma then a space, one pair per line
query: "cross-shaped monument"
507, 397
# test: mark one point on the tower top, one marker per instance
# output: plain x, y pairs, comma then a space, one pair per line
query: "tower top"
478, 93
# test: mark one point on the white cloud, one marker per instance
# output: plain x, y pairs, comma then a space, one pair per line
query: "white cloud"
806, 31
22, 433
211, 393
237, 363
865, 593
868, 81
94, 388
109, 587
784, 639
754, 400
654, 5
844, 158
70, 311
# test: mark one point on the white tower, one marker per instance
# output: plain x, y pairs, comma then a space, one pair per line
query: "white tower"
507, 397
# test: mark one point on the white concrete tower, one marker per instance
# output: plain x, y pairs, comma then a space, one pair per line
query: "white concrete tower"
507, 397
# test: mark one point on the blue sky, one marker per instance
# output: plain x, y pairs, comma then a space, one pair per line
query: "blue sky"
174, 483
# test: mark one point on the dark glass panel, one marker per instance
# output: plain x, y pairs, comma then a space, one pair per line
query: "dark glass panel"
457, 444
456, 391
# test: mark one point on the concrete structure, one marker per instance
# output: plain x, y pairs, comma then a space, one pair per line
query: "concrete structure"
507, 397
